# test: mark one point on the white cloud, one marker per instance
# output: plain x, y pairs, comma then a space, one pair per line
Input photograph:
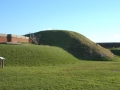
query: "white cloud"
44, 29
49, 28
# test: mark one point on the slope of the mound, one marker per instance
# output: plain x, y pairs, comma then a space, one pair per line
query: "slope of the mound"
35, 55
75, 43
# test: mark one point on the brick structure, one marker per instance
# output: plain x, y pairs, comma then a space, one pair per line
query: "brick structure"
3, 38
13, 38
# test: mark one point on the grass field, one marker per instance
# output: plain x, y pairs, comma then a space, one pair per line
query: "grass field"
85, 75
71, 74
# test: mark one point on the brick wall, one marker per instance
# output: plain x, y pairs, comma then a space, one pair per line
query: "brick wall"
13, 38
16, 38
3, 38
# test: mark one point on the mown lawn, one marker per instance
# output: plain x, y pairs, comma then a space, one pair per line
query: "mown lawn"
35, 55
83, 75
41, 68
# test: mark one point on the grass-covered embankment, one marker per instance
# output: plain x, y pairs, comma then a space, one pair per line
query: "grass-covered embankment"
76, 44
34, 67
34, 55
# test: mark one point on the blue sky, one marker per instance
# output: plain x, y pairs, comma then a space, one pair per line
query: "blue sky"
98, 20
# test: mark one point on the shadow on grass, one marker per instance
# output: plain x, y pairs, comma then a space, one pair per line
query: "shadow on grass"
92, 58
116, 52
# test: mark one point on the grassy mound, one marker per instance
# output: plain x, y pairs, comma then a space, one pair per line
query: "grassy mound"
75, 43
34, 55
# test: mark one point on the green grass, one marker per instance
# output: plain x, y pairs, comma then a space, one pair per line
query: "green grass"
35, 55
76, 44
116, 51
33, 67
85, 75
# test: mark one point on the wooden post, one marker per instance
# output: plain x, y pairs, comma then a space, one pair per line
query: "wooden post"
2, 63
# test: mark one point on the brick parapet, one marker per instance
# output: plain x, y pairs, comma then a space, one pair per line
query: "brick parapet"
17, 36
13, 38
3, 35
